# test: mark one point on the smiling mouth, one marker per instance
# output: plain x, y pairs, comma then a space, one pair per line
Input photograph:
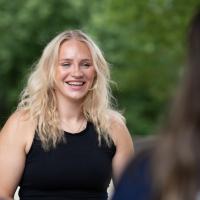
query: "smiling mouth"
75, 83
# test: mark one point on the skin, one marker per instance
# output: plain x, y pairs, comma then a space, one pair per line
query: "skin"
74, 77
15, 141
75, 71
124, 147
75, 67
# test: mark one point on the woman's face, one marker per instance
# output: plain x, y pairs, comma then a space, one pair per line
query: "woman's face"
75, 72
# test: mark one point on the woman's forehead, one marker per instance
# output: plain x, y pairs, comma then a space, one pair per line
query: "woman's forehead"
73, 48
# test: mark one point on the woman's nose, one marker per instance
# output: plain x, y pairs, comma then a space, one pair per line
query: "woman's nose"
76, 71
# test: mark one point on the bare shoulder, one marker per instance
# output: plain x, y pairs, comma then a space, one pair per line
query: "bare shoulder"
18, 129
118, 130
15, 140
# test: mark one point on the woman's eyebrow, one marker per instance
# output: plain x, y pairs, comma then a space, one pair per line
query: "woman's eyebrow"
86, 60
65, 59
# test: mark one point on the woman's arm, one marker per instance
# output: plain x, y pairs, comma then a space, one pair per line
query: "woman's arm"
124, 148
14, 144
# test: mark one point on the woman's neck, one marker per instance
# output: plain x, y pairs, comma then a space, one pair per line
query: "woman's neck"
71, 115
69, 110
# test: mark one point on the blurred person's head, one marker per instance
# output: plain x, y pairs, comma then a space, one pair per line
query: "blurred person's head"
177, 158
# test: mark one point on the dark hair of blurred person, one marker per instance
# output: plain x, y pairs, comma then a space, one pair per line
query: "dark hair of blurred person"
170, 170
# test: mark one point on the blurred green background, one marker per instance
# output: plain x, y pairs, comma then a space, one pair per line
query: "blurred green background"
143, 40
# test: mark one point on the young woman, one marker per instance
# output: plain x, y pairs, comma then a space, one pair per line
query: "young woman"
65, 140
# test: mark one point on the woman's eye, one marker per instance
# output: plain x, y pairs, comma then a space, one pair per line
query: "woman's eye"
65, 64
86, 65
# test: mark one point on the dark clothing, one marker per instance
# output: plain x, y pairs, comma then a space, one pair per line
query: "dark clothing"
136, 182
74, 170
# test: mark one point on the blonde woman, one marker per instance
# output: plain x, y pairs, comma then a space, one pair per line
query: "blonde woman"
65, 141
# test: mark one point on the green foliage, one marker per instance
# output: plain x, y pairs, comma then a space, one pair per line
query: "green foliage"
25, 28
144, 40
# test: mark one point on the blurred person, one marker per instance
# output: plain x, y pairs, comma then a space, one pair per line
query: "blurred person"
170, 169
64, 141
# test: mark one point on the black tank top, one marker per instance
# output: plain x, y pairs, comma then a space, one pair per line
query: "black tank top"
75, 170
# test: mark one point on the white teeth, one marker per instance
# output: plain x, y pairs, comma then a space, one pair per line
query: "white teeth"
74, 83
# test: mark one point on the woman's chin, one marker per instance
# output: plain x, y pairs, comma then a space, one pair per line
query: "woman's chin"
76, 97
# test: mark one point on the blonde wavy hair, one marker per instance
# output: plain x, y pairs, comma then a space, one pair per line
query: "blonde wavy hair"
39, 100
